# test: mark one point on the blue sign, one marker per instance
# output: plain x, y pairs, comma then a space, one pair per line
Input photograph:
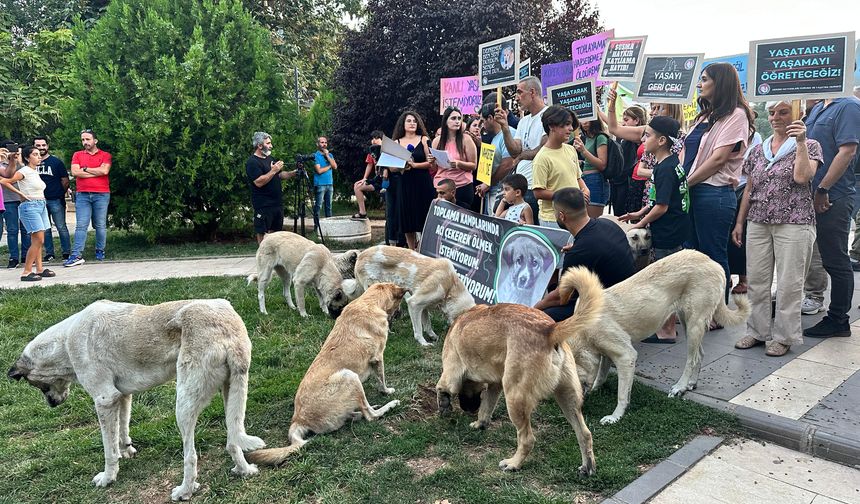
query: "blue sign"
739, 61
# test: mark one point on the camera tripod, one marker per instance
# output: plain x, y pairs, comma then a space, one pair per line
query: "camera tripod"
303, 200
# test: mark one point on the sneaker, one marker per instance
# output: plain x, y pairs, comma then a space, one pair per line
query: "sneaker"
100, 255
48, 258
855, 265
811, 306
13, 263
73, 261
827, 328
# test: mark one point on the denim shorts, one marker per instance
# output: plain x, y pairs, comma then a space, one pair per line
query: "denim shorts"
598, 186
34, 216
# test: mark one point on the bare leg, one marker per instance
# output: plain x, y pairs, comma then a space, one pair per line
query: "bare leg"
411, 241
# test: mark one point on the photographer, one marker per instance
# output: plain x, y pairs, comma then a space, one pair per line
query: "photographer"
264, 178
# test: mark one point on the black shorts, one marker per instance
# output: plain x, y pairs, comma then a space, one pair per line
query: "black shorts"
267, 220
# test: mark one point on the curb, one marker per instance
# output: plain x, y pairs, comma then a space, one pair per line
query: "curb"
663, 474
792, 434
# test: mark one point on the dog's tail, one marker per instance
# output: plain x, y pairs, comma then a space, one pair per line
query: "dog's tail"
588, 307
277, 456
252, 278
726, 317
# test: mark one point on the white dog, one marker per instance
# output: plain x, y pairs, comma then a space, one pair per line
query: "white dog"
115, 350
432, 282
300, 263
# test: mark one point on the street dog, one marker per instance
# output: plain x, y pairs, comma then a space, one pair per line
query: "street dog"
431, 283
521, 351
345, 263
639, 240
301, 263
688, 283
115, 350
331, 391
523, 263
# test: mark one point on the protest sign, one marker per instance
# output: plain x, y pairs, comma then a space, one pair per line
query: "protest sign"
820, 66
488, 253
485, 163
739, 61
691, 110
553, 74
461, 92
393, 154
587, 54
668, 78
499, 62
857, 64
578, 97
621, 58
525, 68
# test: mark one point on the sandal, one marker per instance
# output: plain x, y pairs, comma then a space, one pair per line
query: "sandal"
46, 273
655, 339
713, 326
32, 277
359, 216
740, 288
748, 342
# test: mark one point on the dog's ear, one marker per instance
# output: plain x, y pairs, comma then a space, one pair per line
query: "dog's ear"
547, 260
508, 254
350, 288
397, 292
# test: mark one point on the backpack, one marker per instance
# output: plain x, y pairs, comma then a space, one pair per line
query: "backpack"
614, 170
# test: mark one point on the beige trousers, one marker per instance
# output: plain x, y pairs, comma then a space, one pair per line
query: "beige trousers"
816, 277
787, 248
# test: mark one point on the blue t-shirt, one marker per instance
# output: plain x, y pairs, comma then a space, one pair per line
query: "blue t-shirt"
838, 124
52, 171
326, 178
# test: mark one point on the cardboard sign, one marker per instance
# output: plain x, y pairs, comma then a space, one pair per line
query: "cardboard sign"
525, 69
668, 78
553, 74
499, 62
622, 58
461, 92
489, 253
819, 66
578, 97
485, 163
587, 55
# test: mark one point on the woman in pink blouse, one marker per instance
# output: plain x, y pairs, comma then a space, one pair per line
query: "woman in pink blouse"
462, 154
777, 205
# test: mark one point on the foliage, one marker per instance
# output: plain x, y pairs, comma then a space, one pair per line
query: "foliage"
396, 59
28, 17
762, 126
33, 82
175, 90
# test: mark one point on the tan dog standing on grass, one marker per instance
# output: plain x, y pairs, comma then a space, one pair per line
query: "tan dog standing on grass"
431, 283
302, 263
521, 351
331, 391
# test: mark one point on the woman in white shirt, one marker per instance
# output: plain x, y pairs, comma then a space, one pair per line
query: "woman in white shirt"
32, 213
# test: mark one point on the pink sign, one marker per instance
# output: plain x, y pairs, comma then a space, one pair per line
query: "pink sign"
587, 54
461, 92
553, 74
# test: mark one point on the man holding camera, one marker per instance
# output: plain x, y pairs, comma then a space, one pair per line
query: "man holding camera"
264, 178
324, 163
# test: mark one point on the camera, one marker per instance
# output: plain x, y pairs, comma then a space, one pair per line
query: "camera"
305, 158
12, 147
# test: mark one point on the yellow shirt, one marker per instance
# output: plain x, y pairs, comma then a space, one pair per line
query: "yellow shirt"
555, 169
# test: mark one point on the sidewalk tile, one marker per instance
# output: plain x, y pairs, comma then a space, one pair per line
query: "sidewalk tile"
816, 373
835, 352
782, 396
730, 375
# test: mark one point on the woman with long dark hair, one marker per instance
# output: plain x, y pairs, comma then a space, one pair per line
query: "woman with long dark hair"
462, 154
713, 154
593, 150
415, 190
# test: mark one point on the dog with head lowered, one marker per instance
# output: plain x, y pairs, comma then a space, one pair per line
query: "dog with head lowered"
115, 350
431, 282
301, 263
521, 351
331, 391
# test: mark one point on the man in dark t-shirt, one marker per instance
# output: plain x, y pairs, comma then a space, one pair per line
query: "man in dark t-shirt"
53, 173
599, 244
264, 178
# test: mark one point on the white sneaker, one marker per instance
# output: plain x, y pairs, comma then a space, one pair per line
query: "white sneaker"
811, 306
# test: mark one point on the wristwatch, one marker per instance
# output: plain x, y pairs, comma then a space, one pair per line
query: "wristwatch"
85, 169
822, 190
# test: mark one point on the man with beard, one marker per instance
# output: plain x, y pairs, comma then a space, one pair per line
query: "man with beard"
90, 167
264, 178
53, 172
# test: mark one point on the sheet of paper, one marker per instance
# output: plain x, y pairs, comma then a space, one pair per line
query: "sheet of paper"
441, 156
389, 161
392, 148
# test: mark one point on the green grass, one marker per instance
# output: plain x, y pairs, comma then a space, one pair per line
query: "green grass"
50, 455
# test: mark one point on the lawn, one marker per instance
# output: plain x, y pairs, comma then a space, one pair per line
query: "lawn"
410, 455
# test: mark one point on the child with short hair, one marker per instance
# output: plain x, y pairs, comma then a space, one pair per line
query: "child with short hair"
378, 183
514, 207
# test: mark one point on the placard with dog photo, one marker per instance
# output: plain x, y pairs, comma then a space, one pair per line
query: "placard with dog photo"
498, 260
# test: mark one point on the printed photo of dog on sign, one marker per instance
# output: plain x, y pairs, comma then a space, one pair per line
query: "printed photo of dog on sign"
526, 263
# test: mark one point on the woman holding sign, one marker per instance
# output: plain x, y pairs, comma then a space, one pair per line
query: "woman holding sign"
713, 153
416, 191
462, 157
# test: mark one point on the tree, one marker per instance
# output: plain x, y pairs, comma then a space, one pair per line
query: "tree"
28, 17
394, 62
175, 89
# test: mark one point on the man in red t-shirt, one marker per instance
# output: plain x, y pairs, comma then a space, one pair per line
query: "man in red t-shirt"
90, 168
379, 182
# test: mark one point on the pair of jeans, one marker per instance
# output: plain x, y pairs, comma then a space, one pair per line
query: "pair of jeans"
832, 229
90, 206
57, 212
322, 193
13, 230
712, 217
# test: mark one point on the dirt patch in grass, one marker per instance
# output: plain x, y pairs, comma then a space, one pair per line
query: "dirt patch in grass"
425, 466
423, 404
155, 489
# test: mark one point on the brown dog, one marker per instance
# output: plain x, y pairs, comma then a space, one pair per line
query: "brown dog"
331, 391
522, 351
